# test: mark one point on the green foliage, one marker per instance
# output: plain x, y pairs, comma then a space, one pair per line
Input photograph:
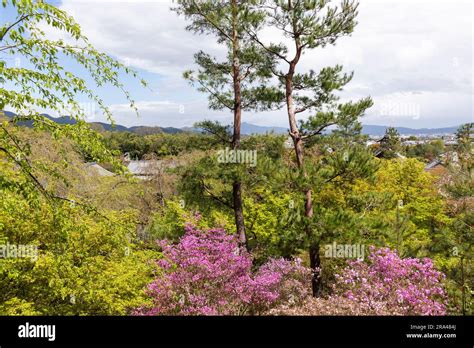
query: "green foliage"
314, 22
205, 186
207, 182
390, 144
42, 82
454, 246
95, 236
464, 146
170, 221
270, 234
455, 255
162, 145
332, 168
427, 151
239, 81
309, 25
87, 260
222, 133
402, 208
47, 84
86, 265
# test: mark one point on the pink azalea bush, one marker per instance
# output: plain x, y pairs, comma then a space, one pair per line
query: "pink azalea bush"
206, 273
330, 306
388, 284
294, 280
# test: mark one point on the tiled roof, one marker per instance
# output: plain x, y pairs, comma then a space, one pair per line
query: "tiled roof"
99, 169
148, 168
433, 164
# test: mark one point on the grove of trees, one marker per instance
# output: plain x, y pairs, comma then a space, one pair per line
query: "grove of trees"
221, 238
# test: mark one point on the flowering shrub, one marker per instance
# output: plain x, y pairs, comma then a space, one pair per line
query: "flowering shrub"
294, 280
332, 305
390, 284
207, 273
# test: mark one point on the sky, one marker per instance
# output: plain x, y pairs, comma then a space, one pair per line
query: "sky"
413, 57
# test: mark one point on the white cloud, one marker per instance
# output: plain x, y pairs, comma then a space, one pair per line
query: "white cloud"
147, 34
405, 51
166, 113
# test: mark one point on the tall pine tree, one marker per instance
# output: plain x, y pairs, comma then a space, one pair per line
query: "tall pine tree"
307, 25
237, 83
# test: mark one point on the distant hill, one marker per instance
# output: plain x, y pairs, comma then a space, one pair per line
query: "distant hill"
141, 130
144, 130
247, 128
380, 130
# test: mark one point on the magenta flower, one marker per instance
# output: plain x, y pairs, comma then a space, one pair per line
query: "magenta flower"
206, 273
399, 286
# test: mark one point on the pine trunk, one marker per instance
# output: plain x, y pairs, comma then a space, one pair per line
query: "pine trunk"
237, 186
315, 261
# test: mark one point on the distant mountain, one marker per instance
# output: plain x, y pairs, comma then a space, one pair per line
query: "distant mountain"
106, 126
144, 130
247, 128
141, 130
380, 130
59, 120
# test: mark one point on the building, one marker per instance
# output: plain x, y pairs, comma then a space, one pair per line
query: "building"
95, 169
436, 167
146, 169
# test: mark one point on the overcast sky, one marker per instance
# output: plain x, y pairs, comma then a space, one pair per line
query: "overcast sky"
414, 57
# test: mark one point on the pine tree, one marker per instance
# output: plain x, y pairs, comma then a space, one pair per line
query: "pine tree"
236, 84
312, 24
464, 147
390, 144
